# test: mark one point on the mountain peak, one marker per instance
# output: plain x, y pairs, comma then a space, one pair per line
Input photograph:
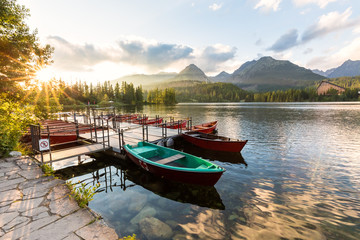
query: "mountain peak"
191, 72
348, 69
191, 69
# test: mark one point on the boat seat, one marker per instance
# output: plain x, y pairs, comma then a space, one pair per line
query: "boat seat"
145, 149
170, 159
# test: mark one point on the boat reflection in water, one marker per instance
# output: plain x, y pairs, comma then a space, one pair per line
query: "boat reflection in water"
227, 157
124, 174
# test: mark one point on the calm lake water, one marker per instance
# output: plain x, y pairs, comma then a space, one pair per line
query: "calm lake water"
298, 177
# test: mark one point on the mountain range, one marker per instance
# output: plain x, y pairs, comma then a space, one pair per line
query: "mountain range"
265, 74
347, 69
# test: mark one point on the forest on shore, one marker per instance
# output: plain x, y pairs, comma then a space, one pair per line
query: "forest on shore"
24, 99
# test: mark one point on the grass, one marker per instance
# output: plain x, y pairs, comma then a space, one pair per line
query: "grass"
48, 170
82, 194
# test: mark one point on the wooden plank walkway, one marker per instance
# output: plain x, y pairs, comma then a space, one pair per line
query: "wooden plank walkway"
132, 135
72, 152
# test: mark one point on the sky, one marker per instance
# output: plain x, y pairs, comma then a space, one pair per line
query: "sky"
104, 40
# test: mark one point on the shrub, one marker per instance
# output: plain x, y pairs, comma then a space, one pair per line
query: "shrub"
14, 120
82, 194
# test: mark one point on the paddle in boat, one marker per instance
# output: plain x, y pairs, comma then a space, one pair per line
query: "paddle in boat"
174, 165
214, 142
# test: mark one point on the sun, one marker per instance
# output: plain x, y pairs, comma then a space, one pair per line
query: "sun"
44, 75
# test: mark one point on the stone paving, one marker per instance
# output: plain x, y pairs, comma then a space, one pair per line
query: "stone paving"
36, 207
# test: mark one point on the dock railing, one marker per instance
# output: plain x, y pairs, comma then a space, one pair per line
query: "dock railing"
62, 133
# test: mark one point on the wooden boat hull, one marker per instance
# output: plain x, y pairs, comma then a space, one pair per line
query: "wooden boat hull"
176, 125
199, 176
56, 139
205, 127
213, 142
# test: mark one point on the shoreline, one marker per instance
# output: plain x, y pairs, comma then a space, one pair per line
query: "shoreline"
33, 206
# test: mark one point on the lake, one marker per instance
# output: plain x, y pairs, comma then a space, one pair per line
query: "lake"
298, 177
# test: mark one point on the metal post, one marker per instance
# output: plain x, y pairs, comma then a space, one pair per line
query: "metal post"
122, 137
95, 128
108, 134
119, 141
103, 132
147, 133
90, 128
49, 145
77, 129
143, 133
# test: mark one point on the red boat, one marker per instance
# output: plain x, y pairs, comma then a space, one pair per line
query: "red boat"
60, 138
214, 142
60, 131
176, 124
205, 127
126, 117
140, 120
149, 121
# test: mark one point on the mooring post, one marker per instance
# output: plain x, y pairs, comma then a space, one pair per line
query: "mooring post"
122, 137
119, 141
48, 130
147, 133
108, 133
74, 116
143, 132
77, 130
95, 129
90, 128
103, 132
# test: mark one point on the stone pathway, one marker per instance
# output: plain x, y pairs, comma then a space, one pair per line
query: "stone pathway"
36, 207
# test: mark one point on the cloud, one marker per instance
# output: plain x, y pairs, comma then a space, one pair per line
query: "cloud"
259, 42
215, 6
308, 50
320, 3
331, 22
211, 58
154, 55
286, 41
326, 24
68, 56
335, 59
132, 53
268, 5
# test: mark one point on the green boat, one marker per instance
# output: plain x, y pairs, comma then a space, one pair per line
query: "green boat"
174, 165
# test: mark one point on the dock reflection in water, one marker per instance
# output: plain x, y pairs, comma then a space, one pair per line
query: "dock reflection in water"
144, 191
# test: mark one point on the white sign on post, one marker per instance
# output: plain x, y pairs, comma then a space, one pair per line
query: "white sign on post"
44, 144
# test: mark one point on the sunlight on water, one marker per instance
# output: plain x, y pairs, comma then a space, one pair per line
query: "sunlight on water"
298, 177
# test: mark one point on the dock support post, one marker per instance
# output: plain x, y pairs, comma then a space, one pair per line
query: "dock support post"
119, 140
103, 132
48, 130
90, 128
77, 129
108, 133
96, 139
143, 132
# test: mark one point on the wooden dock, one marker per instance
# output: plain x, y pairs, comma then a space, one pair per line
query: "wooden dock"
111, 139
133, 133
72, 152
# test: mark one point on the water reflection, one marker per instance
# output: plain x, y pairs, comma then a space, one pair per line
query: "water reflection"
115, 174
301, 181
